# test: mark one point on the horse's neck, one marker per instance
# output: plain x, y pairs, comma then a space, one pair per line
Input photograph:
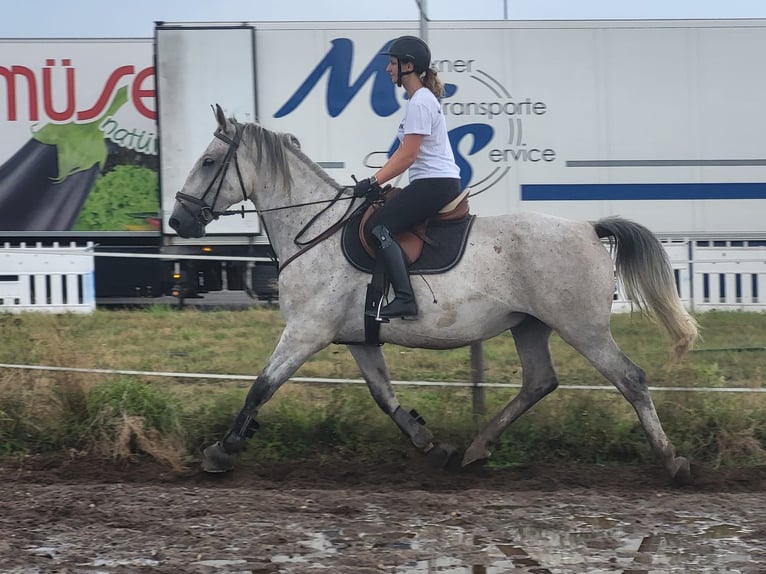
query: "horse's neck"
308, 187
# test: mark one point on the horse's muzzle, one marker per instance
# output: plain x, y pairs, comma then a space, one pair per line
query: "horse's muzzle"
174, 223
185, 225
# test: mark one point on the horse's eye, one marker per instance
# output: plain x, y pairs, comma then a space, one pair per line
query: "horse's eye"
208, 161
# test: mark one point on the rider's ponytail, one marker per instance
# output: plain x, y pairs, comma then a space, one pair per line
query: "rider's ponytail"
433, 83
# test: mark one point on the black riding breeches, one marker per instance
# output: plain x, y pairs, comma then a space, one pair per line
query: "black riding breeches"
417, 202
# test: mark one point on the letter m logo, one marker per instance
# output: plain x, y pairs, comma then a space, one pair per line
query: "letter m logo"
340, 90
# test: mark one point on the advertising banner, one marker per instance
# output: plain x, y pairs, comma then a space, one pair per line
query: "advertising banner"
79, 146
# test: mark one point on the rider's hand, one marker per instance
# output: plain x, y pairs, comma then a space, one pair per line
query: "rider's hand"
364, 187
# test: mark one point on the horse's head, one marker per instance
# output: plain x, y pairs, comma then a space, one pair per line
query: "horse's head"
211, 186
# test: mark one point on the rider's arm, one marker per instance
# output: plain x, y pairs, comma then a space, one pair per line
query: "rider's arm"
402, 158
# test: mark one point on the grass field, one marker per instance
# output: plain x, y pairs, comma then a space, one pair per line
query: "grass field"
120, 417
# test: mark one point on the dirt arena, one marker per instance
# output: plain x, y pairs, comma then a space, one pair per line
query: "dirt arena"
77, 516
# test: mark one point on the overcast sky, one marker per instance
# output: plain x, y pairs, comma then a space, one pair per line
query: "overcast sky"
135, 18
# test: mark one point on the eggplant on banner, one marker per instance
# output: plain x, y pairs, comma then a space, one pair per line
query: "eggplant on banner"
31, 198
43, 185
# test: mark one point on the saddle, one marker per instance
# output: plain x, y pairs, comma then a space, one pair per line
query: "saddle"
412, 241
433, 246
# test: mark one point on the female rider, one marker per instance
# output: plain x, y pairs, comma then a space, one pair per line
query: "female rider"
424, 149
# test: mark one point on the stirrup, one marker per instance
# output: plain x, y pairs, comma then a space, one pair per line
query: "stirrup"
376, 313
405, 316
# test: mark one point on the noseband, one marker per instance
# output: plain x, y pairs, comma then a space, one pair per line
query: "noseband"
206, 214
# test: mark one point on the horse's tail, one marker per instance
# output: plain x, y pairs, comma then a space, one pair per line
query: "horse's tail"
644, 268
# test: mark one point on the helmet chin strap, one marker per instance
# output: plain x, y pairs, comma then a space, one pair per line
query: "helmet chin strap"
399, 73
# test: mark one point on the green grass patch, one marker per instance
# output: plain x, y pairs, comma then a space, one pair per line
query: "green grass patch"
122, 417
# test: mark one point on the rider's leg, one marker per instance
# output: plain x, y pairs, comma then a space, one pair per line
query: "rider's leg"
404, 304
415, 203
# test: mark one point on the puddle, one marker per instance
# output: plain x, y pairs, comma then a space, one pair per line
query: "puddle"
557, 539
723, 531
597, 544
55, 552
143, 562
220, 563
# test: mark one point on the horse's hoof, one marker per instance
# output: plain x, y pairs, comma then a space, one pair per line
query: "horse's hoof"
442, 456
216, 460
475, 454
680, 471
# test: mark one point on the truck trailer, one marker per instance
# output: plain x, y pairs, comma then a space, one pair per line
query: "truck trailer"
659, 121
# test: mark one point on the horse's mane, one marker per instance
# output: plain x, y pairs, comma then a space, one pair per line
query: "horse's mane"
270, 149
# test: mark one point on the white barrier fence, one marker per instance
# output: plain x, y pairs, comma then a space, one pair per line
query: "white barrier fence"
722, 275
53, 279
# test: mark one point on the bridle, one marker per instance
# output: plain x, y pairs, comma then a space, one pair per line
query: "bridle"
206, 213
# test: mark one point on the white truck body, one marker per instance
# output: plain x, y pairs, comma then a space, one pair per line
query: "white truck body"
658, 121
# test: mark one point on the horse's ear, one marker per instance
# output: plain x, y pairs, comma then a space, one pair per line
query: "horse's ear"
294, 141
220, 117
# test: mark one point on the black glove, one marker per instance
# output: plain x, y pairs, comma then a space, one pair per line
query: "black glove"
364, 187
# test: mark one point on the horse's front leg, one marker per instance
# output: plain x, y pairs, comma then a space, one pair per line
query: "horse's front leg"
295, 346
373, 367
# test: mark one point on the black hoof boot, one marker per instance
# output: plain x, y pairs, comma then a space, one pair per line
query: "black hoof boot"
443, 457
221, 456
216, 460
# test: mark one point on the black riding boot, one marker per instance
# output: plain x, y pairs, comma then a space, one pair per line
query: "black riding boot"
404, 304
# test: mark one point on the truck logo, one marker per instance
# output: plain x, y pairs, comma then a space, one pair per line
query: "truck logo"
337, 63
493, 126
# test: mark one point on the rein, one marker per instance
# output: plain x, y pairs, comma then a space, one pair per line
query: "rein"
304, 245
242, 211
329, 232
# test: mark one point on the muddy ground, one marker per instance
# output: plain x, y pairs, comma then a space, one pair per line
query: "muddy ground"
81, 516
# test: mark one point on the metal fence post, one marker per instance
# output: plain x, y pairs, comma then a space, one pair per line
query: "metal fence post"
477, 377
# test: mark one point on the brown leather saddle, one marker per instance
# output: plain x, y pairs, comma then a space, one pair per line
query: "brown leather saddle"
412, 241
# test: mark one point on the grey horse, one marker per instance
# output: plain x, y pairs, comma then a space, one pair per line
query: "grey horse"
527, 272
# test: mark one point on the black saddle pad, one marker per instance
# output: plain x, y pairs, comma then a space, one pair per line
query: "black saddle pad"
448, 240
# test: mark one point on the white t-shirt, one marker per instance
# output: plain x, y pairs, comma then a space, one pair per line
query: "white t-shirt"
423, 115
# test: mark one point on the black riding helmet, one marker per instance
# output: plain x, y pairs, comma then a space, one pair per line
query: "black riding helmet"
409, 49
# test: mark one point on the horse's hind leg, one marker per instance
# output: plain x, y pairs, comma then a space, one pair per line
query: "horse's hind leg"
295, 346
604, 354
372, 365
538, 379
